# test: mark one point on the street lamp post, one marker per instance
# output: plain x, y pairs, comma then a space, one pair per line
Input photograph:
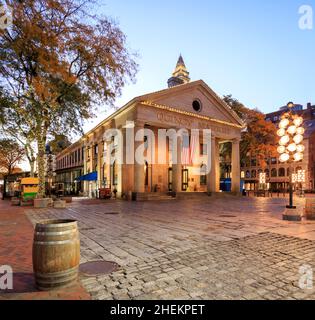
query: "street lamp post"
290, 143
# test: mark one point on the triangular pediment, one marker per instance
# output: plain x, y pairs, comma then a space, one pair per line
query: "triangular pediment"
181, 97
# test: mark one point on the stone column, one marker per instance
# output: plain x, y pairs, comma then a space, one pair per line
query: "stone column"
99, 163
177, 168
85, 167
106, 160
236, 179
138, 167
213, 177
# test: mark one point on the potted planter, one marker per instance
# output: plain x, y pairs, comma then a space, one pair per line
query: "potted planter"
310, 209
42, 202
59, 204
67, 199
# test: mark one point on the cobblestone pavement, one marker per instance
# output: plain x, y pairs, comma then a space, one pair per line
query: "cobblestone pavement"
16, 238
211, 248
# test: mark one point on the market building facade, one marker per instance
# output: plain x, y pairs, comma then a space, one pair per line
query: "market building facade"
183, 105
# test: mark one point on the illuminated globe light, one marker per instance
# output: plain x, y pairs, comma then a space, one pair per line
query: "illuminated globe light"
281, 149
284, 157
281, 132
298, 156
298, 138
298, 121
284, 140
284, 123
300, 148
291, 147
300, 130
292, 129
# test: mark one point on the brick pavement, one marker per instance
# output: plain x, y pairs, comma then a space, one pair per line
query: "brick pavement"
16, 238
212, 248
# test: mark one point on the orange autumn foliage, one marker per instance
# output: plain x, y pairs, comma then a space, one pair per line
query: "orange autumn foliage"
59, 63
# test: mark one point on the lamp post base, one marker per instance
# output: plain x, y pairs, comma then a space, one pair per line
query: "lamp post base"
290, 207
292, 214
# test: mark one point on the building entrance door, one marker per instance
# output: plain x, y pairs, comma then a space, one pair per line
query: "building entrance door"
184, 179
170, 179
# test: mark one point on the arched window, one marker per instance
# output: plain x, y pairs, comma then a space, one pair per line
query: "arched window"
274, 172
267, 173
281, 172
247, 174
203, 175
253, 174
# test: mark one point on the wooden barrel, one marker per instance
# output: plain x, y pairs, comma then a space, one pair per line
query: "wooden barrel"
56, 253
310, 209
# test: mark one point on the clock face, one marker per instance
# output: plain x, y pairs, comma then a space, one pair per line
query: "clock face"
196, 105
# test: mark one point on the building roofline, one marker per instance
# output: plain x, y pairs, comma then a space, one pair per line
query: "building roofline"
143, 97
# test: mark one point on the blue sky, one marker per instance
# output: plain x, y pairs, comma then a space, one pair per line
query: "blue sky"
253, 50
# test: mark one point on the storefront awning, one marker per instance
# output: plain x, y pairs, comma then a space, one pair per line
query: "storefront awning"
87, 177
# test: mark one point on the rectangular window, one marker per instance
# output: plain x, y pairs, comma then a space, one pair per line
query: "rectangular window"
203, 149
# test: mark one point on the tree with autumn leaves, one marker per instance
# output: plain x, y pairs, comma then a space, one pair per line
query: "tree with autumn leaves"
259, 138
11, 154
58, 65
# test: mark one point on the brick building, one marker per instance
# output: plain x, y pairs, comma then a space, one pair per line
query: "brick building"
69, 166
277, 172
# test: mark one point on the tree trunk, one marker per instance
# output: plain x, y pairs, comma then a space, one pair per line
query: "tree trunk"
32, 166
30, 157
41, 166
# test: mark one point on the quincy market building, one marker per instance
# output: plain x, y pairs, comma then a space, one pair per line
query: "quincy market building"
184, 104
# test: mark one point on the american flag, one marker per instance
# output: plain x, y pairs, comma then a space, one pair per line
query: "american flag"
189, 148
194, 143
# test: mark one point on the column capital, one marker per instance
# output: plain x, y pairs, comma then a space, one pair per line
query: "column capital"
139, 123
236, 140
